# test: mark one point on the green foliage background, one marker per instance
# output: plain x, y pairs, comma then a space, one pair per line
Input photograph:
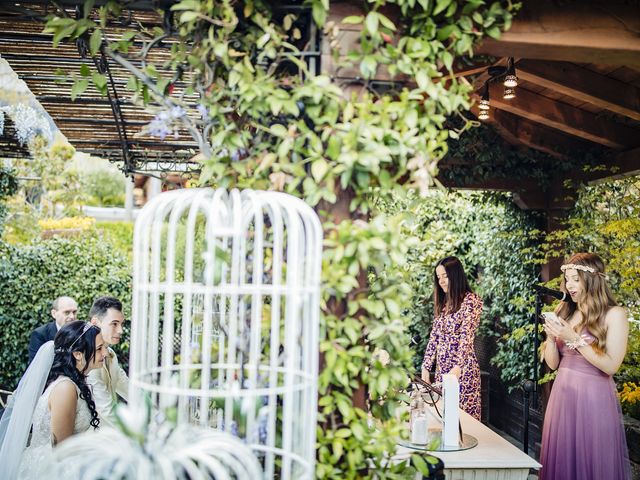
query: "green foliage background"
606, 220
494, 239
8, 187
262, 123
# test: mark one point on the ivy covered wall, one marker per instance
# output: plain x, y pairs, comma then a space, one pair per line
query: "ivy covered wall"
495, 241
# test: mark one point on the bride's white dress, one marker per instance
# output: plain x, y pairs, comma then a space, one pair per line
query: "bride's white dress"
36, 457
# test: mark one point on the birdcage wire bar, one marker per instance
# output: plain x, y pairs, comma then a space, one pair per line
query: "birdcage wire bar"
233, 277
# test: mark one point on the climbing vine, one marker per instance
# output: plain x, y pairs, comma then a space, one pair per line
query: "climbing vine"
238, 82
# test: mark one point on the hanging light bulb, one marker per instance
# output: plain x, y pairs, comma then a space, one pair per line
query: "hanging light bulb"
484, 101
483, 115
509, 93
510, 79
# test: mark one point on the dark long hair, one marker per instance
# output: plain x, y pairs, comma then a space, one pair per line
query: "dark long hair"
74, 338
458, 286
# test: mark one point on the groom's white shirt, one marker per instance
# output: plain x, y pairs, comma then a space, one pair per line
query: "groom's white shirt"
107, 384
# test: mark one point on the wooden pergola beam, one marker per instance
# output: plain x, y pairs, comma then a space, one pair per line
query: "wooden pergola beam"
603, 33
565, 118
537, 136
624, 164
583, 84
527, 192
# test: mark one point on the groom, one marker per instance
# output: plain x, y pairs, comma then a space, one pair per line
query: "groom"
109, 382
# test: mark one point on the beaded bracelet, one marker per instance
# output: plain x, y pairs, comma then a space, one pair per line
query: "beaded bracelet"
575, 344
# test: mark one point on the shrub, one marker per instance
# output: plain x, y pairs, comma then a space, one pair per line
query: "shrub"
105, 188
119, 235
8, 186
79, 223
32, 276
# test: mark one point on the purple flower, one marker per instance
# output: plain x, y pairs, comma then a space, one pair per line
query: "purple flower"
159, 128
204, 111
177, 112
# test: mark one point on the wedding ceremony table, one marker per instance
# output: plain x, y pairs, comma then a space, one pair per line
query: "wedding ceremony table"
494, 458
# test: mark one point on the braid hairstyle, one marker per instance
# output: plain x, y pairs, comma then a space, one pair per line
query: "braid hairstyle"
73, 338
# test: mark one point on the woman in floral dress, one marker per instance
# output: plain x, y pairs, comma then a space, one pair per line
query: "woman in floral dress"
457, 316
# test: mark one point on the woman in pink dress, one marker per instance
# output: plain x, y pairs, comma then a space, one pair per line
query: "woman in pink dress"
457, 316
583, 437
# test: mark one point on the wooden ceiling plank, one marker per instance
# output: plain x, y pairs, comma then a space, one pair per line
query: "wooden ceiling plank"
585, 85
605, 33
566, 118
538, 137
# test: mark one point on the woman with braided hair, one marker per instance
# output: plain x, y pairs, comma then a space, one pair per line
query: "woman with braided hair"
64, 408
583, 437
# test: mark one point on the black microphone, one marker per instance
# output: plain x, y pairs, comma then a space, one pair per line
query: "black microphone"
540, 290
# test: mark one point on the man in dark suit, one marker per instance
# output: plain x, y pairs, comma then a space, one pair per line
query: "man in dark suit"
63, 311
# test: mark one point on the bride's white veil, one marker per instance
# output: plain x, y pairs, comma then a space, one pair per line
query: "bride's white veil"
16, 420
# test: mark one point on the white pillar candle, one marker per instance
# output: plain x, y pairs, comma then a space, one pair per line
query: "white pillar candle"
451, 415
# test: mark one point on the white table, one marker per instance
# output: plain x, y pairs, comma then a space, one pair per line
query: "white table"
493, 458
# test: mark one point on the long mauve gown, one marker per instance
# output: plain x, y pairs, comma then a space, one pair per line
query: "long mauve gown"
583, 437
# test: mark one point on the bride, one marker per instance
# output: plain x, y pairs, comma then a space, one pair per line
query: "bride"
64, 409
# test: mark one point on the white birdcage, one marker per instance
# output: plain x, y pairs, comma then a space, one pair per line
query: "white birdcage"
225, 318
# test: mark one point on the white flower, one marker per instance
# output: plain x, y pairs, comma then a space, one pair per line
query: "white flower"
28, 122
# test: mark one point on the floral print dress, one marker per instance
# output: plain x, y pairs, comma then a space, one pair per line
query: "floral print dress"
451, 344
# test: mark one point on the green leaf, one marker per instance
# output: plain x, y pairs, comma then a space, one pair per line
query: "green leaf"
368, 66
371, 22
128, 35
146, 96
446, 32
319, 169
420, 465
465, 23
422, 79
63, 33
386, 22
84, 70
88, 6
79, 87
447, 59
95, 41
352, 20
494, 32
287, 22
440, 6
132, 84
279, 130
100, 81
189, 16
319, 13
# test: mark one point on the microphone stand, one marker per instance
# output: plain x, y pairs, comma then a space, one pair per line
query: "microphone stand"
536, 345
531, 386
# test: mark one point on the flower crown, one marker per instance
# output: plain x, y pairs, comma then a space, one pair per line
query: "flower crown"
584, 268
